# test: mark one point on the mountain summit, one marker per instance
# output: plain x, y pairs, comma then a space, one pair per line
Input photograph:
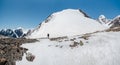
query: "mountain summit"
68, 22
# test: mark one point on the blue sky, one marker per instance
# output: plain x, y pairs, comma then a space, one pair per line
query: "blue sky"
29, 13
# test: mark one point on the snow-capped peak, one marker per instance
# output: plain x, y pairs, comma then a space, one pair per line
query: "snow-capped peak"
19, 28
117, 16
23, 29
102, 16
102, 19
66, 23
115, 22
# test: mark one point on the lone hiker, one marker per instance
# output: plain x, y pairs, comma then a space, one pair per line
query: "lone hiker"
48, 35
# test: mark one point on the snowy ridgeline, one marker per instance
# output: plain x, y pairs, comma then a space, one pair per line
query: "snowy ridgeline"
71, 22
96, 49
68, 22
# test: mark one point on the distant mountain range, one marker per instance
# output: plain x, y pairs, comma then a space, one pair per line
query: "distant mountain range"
17, 33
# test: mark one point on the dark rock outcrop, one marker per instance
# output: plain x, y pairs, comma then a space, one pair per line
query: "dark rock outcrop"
11, 50
84, 13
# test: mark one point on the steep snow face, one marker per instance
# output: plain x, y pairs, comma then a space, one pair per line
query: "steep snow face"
66, 23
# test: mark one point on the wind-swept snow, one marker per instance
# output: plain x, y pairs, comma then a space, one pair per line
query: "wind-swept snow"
100, 49
68, 22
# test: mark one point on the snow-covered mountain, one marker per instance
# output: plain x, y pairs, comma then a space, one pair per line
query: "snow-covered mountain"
110, 23
8, 32
68, 22
104, 21
72, 41
115, 22
16, 33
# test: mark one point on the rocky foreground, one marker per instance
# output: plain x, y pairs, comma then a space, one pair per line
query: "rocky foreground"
10, 50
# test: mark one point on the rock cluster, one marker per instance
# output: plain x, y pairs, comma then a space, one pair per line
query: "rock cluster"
10, 50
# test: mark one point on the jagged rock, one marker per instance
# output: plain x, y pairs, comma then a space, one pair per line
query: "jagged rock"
81, 43
30, 57
74, 44
84, 13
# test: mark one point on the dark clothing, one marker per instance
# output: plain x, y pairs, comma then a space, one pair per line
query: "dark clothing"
48, 36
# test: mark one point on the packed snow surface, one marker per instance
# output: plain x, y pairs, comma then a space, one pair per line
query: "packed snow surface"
100, 49
68, 22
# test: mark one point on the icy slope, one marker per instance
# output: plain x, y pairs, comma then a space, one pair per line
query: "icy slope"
99, 49
66, 23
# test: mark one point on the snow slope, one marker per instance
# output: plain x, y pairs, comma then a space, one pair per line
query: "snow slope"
68, 22
100, 49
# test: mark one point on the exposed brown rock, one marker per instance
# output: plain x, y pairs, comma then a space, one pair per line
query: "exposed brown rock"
115, 29
10, 50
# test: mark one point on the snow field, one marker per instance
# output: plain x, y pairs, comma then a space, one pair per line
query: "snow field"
101, 49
